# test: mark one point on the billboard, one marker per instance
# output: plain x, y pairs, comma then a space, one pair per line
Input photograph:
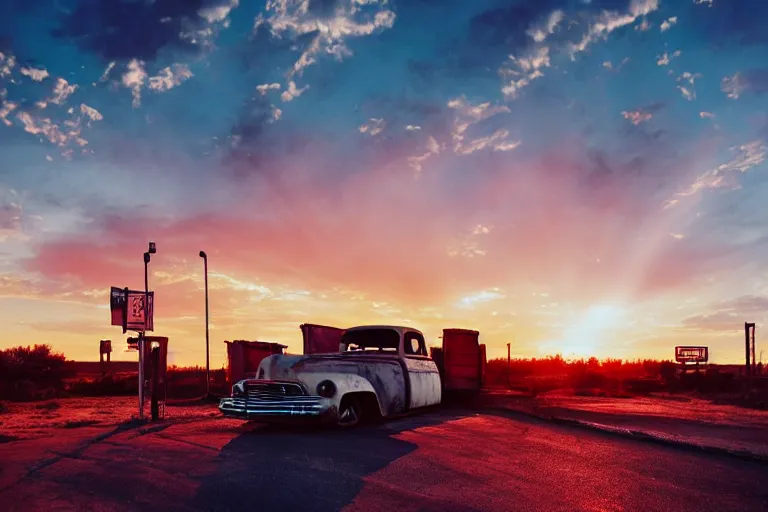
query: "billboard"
691, 354
128, 310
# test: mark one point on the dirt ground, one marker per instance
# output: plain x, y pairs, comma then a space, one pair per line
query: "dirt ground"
84, 455
31, 420
678, 418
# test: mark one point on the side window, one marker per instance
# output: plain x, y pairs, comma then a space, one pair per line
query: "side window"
414, 344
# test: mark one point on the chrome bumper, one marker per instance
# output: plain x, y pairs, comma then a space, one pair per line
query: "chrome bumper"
286, 407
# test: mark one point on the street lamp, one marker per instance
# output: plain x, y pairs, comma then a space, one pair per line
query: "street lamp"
207, 350
142, 342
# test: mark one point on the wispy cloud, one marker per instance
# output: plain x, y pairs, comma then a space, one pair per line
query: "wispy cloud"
665, 58
746, 157
468, 115
637, 117
432, 148
668, 23
373, 127
134, 79
540, 31
7, 63
292, 92
92, 113
688, 94
480, 297
263, 89
219, 13
38, 75
54, 133
754, 81
170, 77
6, 108
608, 21
296, 19
62, 91
520, 71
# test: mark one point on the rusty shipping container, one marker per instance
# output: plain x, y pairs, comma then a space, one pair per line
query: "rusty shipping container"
244, 357
462, 361
321, 339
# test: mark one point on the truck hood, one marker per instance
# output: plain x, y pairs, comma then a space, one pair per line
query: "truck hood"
281, 366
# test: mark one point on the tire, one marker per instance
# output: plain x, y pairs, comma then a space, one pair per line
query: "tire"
350, 412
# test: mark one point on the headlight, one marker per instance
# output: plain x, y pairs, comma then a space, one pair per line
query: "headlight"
238, 391
326, 389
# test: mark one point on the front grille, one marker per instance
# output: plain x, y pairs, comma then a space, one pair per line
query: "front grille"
273, 390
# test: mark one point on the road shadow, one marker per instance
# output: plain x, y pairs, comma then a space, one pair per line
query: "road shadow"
298, 468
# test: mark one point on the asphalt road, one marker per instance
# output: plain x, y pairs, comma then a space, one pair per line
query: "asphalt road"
446, 461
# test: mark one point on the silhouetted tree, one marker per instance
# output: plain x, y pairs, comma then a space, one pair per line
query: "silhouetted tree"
26, 370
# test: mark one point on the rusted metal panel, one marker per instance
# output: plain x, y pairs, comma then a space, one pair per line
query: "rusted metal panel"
381, 374
244, 357
425, 382
321, 339
461, 359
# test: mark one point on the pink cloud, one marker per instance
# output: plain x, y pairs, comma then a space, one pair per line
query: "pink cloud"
399, 239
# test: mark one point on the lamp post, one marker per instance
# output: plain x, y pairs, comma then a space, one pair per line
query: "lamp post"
207, 348
151, 250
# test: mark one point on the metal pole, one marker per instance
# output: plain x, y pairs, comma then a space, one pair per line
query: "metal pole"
142, 334
207, 337
141, 375
509, 364
747, 326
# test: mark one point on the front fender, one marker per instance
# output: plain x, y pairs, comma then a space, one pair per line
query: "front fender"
345, 383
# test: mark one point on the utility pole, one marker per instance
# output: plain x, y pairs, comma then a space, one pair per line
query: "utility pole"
749, 344
207, 339
142, 335
509, 364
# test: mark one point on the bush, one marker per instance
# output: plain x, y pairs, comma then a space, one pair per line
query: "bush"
587, 377
105, 386
31, 373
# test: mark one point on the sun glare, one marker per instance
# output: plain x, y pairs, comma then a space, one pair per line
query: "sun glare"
589, 335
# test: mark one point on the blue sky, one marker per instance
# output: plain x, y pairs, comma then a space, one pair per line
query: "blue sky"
587, 177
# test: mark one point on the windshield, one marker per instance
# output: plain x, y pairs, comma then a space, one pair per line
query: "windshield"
378, 340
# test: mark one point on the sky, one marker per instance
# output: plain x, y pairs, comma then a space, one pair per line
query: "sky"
584, 177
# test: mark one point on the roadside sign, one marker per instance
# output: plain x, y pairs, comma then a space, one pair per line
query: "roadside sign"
128, 310
117, 299
136, 311
691, 354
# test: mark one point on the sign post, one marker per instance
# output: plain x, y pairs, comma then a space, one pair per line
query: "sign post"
134, 311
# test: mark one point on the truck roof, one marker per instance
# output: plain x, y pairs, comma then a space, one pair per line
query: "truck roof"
400, 329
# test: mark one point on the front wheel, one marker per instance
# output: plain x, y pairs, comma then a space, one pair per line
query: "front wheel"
350, 412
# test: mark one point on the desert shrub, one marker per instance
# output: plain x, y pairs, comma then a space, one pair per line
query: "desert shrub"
667, 371
589, 377
109, 385
31, 373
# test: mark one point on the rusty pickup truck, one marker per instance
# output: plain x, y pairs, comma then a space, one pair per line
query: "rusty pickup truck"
378, 372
